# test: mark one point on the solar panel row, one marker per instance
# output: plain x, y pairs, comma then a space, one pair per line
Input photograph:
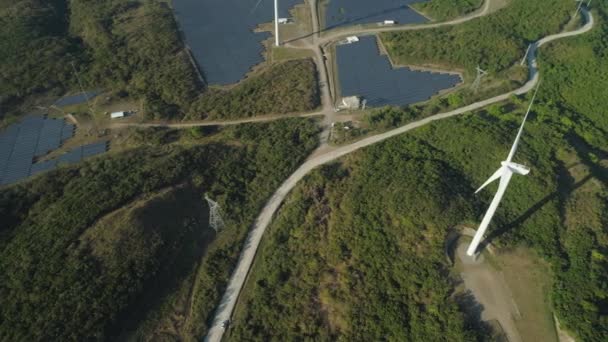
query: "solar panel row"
363, 71
77, 98
73, 156
221, 34
35, 136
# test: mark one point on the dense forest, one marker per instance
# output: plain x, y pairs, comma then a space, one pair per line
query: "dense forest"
356, 253
346, 261
447, 9
286, 87
131, 46
102, 249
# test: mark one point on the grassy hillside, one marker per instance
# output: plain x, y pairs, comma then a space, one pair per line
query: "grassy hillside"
102, 249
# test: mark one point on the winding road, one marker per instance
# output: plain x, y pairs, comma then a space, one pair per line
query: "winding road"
326, 155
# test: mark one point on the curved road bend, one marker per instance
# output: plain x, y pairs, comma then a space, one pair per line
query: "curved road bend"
228, 302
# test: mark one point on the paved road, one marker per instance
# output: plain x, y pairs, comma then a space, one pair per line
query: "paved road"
215, 123
228, 302
341, 33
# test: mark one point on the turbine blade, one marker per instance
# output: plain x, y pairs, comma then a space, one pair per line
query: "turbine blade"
494, 177
521, 128
504, 182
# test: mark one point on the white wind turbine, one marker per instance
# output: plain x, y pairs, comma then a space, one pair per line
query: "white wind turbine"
505, 173
276, 23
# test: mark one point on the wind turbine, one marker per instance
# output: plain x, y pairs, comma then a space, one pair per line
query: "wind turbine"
276, 22
505, 173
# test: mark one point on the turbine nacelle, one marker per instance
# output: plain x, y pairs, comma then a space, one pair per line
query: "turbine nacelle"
507, 168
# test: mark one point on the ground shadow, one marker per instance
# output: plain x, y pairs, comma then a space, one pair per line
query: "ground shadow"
566, 184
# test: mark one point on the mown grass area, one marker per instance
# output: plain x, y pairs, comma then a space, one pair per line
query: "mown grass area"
441, 10
285, 87
118, 246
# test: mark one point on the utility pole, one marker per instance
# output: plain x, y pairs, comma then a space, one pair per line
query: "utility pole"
480, 73
276, 23
86, 95
215, 218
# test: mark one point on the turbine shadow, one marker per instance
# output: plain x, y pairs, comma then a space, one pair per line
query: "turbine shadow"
566, 184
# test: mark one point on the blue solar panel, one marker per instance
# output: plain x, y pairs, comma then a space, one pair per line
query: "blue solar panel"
362, 71
35, 136
43, 166
353, 12
94, 149
73, 156
77, 98
220, 34
50, 136
67, 132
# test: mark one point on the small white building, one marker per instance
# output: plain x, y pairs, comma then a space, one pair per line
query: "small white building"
283, 20
351, 102
389, 22
352, 39
118, 115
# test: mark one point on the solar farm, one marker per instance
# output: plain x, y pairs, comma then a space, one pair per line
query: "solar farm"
34, 137
363, 71
221, 34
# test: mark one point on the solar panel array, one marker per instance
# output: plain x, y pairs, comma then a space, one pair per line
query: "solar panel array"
363, 71
76, 98
35, 136
73, 156
220, 34
353, 12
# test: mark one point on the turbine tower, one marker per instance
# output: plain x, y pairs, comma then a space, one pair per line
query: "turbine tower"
276, 23
505, 173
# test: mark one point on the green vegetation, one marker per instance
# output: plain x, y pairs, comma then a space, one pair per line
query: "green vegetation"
356, 253
104, 248
506, 35
446, 9
352, 251
286, 87
131, 49
124, 46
